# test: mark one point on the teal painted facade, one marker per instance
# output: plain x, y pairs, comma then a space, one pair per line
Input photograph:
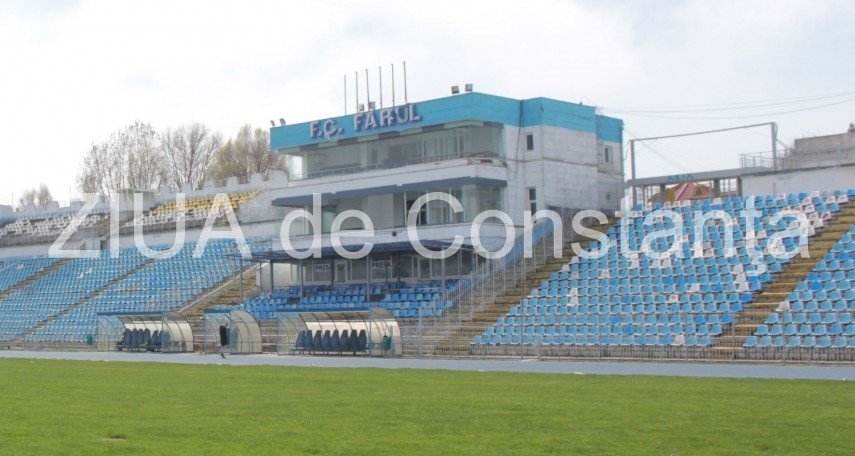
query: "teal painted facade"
469, 106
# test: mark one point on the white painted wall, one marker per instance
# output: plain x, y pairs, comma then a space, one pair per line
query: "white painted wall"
565, 167
838, 178
25, 251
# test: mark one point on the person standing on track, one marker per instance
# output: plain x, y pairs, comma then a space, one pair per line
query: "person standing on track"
224, 339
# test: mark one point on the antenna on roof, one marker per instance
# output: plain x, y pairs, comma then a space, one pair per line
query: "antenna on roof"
380, 73
356, 84
345, 94
367, 89
393, 84
405, 82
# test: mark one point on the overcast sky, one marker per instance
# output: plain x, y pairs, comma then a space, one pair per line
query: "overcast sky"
72, 72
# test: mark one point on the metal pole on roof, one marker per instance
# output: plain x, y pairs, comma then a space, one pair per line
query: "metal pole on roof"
367, 91
405, 82
774, 128
271, 276
632, 170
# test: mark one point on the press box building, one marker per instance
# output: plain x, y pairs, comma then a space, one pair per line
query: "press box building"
488, 152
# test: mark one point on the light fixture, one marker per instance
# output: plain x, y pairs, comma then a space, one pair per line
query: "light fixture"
360, 108
371, 105
468, 87
455, 90
281, 122
272, 123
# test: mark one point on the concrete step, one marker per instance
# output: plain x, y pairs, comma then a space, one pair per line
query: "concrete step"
730, 341
745, 329
725, 352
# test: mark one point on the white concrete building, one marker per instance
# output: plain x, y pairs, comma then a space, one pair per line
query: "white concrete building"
485, 151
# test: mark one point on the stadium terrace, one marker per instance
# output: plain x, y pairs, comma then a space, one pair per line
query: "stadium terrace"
472, 225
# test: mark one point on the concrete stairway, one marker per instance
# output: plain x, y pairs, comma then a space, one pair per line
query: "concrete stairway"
481, 311
729, 344
227, 293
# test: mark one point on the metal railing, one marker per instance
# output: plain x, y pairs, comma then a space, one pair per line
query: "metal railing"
792, 159
390, 164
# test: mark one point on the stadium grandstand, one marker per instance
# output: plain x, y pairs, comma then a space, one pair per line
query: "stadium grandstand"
748, 265
195, 211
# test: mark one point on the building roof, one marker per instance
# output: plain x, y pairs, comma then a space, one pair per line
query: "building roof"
463, 107
693, 177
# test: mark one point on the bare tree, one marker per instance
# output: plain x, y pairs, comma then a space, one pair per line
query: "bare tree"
40, 198
246, 154
130, 158
187, 152
102, 171
140, 145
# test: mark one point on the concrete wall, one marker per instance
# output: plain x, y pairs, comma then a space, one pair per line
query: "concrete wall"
25, 251
282, 275
277, 179
249, 230
565, 167
837, 178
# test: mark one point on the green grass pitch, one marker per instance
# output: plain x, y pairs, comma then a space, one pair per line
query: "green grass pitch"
77, 407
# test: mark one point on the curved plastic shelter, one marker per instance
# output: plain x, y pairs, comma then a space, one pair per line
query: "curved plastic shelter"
244, 332
367, 331
167, 332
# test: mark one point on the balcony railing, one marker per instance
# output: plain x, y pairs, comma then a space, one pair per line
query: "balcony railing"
356, 168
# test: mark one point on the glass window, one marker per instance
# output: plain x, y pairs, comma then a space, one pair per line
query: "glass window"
357, 270
405, 267
449, 144
322, 271
424, 268
532, 199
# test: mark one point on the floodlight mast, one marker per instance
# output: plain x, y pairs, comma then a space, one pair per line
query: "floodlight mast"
774, 133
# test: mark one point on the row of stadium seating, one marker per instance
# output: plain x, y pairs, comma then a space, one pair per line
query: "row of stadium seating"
684, 299
614, 340
426, 299
324, 341
799, 342
162, 285
16, 270
137, 339
48, 226
762, 201
821, 306
52, 294
842, 328
195, 209
63, 305
43, 228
